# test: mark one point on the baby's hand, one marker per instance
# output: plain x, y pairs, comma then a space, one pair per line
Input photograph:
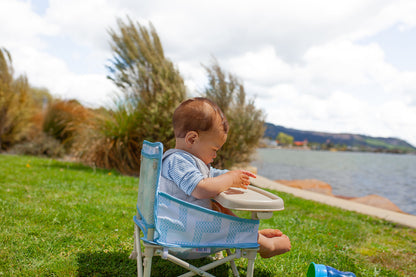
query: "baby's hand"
241, 178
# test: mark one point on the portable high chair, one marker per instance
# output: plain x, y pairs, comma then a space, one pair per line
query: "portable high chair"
177, 230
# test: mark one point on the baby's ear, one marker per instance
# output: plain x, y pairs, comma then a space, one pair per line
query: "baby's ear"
191, 137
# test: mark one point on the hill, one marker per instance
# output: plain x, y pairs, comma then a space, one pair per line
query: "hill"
351, 141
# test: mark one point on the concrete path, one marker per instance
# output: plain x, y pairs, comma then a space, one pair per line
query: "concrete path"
400, 218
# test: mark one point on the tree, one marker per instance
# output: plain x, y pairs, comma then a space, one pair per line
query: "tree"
245, 120
151, 88
284, 139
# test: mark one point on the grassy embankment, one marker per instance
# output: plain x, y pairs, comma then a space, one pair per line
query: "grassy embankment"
65, 219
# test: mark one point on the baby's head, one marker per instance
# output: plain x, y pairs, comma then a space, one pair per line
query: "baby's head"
200, 128
199, 115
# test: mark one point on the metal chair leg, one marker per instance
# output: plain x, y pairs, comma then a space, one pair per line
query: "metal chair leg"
147, 261
251, 256
138, 251
232, 263
133, 254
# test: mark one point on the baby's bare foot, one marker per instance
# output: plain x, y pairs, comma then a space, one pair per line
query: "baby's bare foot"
272, 246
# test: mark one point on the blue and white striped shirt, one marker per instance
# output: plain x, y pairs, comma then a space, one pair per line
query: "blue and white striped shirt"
181, 173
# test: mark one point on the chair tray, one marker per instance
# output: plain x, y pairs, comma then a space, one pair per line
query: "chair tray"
251, 199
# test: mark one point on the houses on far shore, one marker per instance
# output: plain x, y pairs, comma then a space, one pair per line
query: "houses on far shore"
302, 145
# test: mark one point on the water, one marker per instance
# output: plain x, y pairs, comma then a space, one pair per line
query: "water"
350, 174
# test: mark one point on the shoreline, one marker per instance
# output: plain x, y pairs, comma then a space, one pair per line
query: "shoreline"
350, 174
321, 187
392, 216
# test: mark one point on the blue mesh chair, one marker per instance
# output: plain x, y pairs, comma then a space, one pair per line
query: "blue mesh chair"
179, 231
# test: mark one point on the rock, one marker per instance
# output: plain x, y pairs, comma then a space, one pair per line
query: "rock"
377, 201
324, 188
309, 184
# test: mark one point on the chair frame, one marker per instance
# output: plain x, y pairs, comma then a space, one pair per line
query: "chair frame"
151, 249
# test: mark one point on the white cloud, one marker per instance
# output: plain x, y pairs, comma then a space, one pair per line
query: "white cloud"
194, 76
91, 89
263, 67
85, 22
343, 62
353, 91
398, 119
98, 94
28, 37
20, 26
308, 63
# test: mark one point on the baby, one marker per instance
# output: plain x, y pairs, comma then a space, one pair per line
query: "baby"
201, 129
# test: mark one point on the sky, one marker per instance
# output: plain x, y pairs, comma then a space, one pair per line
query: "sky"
332, 66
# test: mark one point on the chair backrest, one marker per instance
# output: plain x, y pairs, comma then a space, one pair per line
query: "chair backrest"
171, 222
150, 167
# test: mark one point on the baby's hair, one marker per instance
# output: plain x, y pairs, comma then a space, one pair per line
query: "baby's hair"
195, 115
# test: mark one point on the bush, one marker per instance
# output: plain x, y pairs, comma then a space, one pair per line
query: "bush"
148, 80
41, 145
151, 88
111, 140
16, 107
245, 120
63, 119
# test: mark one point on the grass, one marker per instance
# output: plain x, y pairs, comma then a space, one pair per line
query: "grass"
64, 219
381, 144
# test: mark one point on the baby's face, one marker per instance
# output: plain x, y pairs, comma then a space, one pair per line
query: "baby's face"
208, 144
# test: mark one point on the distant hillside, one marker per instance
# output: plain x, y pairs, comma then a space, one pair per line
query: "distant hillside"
350, 140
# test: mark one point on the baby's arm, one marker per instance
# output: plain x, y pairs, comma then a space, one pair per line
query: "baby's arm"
211, 187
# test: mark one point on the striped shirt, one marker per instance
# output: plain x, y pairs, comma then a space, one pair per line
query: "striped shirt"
181, 173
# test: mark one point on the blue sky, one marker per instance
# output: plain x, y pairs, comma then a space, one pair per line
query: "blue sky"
336, 66
397, 46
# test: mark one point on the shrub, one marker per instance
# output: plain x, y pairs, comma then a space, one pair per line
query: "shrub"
63, 119
245, 120
151, 88
15, 103
111, 140
41, 145
149, 81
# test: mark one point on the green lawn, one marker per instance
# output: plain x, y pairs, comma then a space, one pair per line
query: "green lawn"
65, 219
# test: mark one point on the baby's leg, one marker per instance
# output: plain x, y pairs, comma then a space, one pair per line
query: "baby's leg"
219, 208
273, 242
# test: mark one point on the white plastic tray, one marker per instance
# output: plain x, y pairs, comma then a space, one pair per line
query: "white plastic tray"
251, 199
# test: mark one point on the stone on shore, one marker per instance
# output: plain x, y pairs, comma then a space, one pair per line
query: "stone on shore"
309, 184
324, 188
377, 201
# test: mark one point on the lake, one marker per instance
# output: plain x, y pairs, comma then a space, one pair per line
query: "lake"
353, 174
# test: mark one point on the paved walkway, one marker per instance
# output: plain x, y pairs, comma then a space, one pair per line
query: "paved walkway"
400, 218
